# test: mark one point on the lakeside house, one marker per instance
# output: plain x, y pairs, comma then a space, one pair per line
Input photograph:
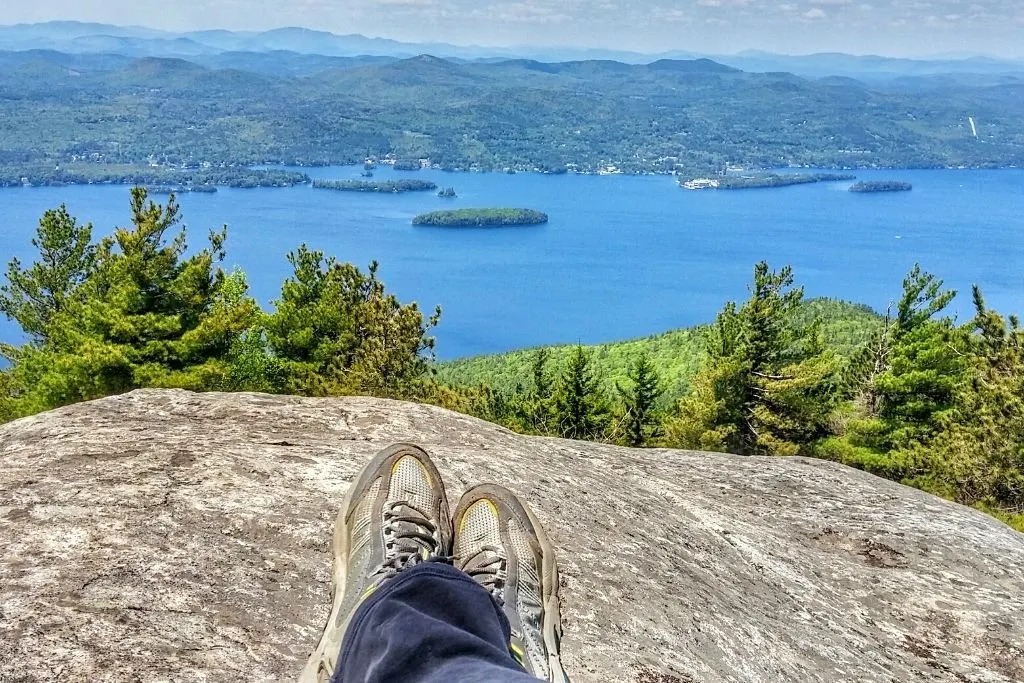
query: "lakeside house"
701, 184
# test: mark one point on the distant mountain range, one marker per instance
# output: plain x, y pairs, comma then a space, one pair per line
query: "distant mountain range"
301, 50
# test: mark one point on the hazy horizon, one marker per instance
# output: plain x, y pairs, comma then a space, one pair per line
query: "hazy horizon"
890, 28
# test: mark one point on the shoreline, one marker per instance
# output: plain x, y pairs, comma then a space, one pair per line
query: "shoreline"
309, 181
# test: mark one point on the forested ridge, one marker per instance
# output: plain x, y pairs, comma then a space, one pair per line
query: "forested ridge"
170, 121
910, 394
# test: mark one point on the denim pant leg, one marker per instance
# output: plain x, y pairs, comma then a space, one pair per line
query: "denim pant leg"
430, 624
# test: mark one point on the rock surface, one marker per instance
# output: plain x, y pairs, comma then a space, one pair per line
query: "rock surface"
164, 535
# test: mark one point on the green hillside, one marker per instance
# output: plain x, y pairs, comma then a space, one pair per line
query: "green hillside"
677, 355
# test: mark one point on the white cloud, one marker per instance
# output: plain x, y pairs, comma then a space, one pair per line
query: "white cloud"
814, 14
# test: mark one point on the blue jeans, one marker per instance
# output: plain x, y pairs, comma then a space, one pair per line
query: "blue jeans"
430, 624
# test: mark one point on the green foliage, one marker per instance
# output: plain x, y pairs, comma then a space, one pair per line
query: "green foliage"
33, 297
977, 455
581, 410
139, 172
768, 180
539, 407
146, 315
393, 186
481, 217
110, 124
136, 310
338, 331
677, 355
766, 388
641, 422
881, 186
925, 363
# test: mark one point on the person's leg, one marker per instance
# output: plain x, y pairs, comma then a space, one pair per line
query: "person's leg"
431, 624
396, 616
504, 548
394, 516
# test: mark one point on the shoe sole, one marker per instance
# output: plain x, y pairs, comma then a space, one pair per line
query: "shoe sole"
339, 542
552, 626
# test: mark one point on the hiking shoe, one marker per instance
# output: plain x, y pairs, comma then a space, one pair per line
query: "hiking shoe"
394, 516
501, 544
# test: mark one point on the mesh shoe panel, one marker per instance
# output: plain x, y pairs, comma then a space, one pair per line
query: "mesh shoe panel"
529, 604
479, 527
411, 482
360, 547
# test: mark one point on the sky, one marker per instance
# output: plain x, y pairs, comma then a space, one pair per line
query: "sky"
887, 27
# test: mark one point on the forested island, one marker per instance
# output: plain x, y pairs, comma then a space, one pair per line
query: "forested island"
881, 186
763, 180
182, 189
447, 193
481, 217
404, 185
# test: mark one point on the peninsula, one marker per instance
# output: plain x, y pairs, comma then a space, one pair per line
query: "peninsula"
763, 180
481, 217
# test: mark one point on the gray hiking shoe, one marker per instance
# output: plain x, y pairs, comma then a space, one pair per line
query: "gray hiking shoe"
500, 543
394, 516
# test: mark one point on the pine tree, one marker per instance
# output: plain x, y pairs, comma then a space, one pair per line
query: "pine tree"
33, 297
538, 402
926, 363
977, 455
146, 315
340, 332
580, 408
766, 387
641, 421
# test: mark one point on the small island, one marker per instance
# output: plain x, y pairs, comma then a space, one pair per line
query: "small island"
881, 186
763, 180
404, 185
481, 217
182, 189
448, 193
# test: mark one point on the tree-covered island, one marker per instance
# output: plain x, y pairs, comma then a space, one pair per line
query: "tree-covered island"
881, 186
182, 189
481, 217
404, 185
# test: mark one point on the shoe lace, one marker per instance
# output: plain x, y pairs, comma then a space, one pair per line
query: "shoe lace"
488, 566
408, 538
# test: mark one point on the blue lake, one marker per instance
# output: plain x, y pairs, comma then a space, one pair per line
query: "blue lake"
621, 257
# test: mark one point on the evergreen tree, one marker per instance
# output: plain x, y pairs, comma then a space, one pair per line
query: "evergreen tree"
926, 363
580, 408
340, 332
641, 421
766, 388
538, 403
32, 297
977, 455
146, 315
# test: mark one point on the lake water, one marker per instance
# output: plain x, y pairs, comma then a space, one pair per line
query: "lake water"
621, 257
